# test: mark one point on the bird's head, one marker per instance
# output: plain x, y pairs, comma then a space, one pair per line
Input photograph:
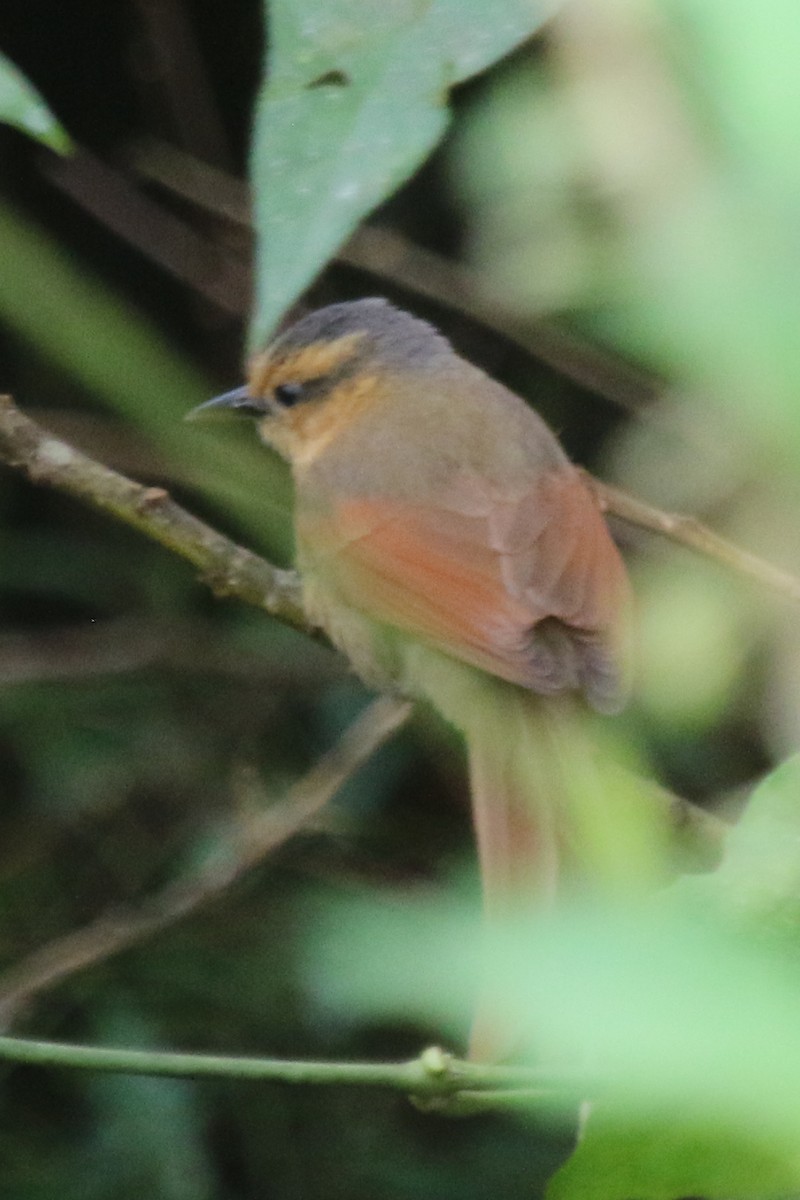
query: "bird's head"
330, 365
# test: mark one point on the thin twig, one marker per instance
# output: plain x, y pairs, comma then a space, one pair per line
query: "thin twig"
251, 842
209, 268
689, 532
393, 257
176, 79
119, 645
434, 1075
227, 568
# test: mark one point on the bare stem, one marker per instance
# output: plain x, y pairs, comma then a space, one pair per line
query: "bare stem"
689, 532
434, 1075
227, 568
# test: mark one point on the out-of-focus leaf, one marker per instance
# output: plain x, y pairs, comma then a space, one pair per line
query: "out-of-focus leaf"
694, 637
665, 1012
22, 106
120, 357
665, 213
617, 1158
682, 1014
760, 874
355, 99
749, 79
148, 1133
663, 1161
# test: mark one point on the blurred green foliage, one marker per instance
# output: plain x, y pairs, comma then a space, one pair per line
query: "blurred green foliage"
632, 173
680, 1012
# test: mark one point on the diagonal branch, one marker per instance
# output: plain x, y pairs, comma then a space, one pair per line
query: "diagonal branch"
435, 1077
230, 570
389, 256
227, 568
252, 840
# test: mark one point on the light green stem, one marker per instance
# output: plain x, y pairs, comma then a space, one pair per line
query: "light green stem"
435, 1074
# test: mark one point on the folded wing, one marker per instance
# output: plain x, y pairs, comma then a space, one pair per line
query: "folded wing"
527, 585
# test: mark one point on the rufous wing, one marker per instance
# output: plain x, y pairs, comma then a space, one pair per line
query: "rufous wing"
527, 584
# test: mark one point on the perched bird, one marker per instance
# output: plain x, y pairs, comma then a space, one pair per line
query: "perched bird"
448, 546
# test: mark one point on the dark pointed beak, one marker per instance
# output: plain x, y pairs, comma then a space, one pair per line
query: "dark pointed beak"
238, 400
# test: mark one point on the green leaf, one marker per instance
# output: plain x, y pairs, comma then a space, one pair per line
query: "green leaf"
759, 877
617, 1160
117, 354
356, 98
682, 1016
22, 106
758, 880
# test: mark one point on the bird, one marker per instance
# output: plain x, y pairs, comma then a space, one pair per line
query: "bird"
449, 547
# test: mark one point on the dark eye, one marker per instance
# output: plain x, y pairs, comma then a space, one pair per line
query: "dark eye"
288, 394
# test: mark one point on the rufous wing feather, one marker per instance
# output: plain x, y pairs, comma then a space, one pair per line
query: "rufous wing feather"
527, 586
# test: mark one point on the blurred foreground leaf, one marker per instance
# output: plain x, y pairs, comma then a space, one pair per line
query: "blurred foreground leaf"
666, 1160
662, 212
681, 1011
120, 357
22, 106
355, 99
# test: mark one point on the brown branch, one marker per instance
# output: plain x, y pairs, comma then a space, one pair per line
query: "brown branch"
202, 263
391, 256
175, 80
227, 568
689, 532
254, 837
118, 645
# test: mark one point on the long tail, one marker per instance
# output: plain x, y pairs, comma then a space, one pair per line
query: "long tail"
515, 804
549, 809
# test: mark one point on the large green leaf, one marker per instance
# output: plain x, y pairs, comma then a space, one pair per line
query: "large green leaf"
682, 1011
669, 1159
356, 97
757, 885
22, 106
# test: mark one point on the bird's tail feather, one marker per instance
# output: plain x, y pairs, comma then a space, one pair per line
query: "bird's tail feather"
515, 814
541, 801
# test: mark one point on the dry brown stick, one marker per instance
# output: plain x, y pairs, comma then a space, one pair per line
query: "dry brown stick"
251, 841
689, 532
209, 269
119, 645
175, 80
227, 568
392, 256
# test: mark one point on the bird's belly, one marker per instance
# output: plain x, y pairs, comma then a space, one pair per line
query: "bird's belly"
390, 660
374, 650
